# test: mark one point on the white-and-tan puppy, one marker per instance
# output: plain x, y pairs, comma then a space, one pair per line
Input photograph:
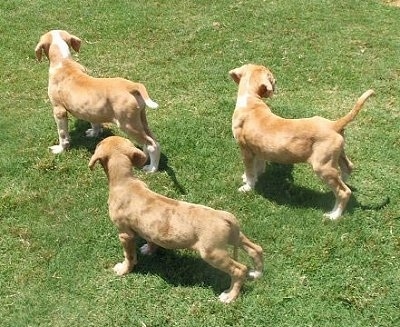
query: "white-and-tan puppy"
96, 100
263, 136
165, 222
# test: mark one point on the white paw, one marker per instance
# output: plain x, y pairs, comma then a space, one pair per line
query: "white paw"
145, 249
91, 132
121, 269
254, 274
333, 215
56, 149
245, 188
244, 178
151, 104
225, 297
150, 169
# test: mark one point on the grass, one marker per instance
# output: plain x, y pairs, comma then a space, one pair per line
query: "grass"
57, 244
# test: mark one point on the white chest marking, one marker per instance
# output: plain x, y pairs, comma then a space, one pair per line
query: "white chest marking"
243, 97
242, 100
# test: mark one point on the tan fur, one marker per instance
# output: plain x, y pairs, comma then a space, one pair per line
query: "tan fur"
97, 100
168, 223
263, 136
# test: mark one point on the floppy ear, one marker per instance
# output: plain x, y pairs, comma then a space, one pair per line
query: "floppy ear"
39, 50
75, 43
138, 158
236, 75
95, 157
43, 45
267, 86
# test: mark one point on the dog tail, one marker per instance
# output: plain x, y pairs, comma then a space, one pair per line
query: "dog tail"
141, 89
341, 123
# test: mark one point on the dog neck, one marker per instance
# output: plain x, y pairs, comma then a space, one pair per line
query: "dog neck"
246, 93
59, 49
118, 170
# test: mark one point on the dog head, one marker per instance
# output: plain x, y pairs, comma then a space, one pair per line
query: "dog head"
259, 79
62, 39
117, 146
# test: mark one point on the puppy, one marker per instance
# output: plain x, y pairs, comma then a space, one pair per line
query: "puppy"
97, 100
263, 136
168, 223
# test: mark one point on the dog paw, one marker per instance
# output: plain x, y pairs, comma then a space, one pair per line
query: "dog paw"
254, 274
56, 149
146, 250
151, 104
245, 188
121, 269
91, 132
244, 178
333, 215
150, 169
226, 297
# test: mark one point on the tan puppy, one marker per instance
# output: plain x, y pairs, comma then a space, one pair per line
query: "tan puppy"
263, 136
97, 100
168, 223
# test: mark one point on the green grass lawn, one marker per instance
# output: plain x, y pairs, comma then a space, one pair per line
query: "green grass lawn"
57, 244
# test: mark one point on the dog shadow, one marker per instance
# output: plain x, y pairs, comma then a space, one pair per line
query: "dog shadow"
277, 185
179, 268
80, 140
163, 166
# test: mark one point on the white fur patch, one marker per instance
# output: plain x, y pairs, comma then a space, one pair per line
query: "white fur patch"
225, 297
56, 149
254, 274
334, 214
242, 100
62, 45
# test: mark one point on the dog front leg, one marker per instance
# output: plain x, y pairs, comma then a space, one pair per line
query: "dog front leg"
259, 167
61, 119
249, 177
128, 243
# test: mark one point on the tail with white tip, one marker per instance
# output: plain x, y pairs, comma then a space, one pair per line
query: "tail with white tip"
141, 89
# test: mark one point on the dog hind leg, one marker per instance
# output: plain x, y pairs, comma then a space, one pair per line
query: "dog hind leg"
150, 147
149, 248
256, 253
346, 166
220, 259
153, 150
95, 131
330, 175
